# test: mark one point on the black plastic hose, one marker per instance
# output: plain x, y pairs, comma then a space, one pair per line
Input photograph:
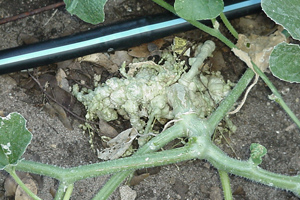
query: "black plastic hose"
107, 38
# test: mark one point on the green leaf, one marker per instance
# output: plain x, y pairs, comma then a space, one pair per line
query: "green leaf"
91, 11
257, 152
285, 62
14, 139
198, 9
285, 13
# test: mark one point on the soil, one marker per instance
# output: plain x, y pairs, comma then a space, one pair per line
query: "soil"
259, 121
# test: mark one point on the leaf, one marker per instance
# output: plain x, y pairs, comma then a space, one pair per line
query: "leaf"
179, 45
259, 48
14, 139
257, 152
91, 11
100, 59
198, 9
118, 145
145, 49
285, 13
285, 62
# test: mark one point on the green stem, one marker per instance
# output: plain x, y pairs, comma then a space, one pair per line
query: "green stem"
154, 144
141, 159
213, 32
149, 123
71, 175
217, 34
232, 97
12, 172
221, 37
280, 101
60, 173
206, 50
225, 185
112, 184
229, 26
60, 191
69, 192
278, 97
250, 171
41, 169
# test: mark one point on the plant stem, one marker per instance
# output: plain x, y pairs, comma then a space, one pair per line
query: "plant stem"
69, 192
41, 169
278, 97
154, 144
60, 173
206, 50
200, 145
230, 99
220, 36
70, 175
229, 26
128, 163
112, 184
12, 172
60, 191
213, 32
250, 171
287, 110
225, 185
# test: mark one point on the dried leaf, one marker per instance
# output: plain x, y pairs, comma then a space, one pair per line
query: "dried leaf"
133, 67
137, 179
179, 45
112, 68
159, 43
62, 82
47, 79
119, 57
13, 189
139, 51
217, 60
69, 64
49, 109
102, 60
79, 76
62, 97
31, 184
62, 116
54, 109
243, 56
143, 50
106, 129
152, 47
118, 145
259, 48
10, 186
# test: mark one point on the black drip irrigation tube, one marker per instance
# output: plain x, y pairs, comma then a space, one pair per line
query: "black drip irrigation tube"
108, 38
